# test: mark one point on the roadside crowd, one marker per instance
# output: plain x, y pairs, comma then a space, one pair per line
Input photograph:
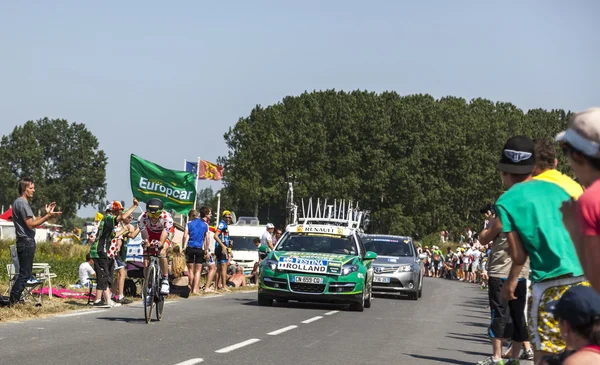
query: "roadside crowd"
541, 250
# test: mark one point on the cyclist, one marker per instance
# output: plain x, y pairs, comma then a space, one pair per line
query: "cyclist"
222, 249
157, 225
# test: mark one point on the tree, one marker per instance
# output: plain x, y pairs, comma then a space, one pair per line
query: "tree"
64, 160
417, 163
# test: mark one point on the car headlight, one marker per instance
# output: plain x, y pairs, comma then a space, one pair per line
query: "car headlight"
405, 268
271, 264
349, 269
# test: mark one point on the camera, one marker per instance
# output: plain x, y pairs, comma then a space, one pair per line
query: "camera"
490, 207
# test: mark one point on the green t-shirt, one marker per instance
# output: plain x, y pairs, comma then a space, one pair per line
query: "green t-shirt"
106, 232
532, 209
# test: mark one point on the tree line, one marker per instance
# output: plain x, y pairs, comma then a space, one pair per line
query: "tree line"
418, 164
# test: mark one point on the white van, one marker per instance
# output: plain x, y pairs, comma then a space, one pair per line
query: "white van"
242, 233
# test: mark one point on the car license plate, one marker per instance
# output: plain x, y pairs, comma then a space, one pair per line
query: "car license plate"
381, 279
308, 279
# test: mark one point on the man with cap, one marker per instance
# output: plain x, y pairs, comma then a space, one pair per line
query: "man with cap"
267, 237
578, 315
581, 144
531, 219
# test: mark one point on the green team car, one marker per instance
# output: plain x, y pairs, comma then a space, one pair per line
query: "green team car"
320, 260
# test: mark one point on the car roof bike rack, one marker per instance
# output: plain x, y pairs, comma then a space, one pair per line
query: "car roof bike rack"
341, 213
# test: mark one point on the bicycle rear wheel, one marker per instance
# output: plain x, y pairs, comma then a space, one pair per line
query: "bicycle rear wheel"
148, 292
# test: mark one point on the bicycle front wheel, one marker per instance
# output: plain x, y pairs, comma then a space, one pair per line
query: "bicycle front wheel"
160, 304
148, 292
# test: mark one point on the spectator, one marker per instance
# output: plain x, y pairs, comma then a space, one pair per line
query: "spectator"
437, 257
25, 224
103, 265
267, 236
86, 271
124, 234
238, 279
530, 217
222, 250
195, 243
179, 281
581, 144
277, 236
578, 315
210, 263
545, 168
507, 316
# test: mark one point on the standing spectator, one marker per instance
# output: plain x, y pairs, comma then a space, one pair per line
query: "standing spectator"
545, 168
222, 250
267, 236
125, 232
25, 224
582, 219
578, 315
437, 258
277, 236
530, 216
103, 265
195, 243
507, 316
210, 264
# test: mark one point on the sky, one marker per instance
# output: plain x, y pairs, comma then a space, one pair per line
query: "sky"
166, 80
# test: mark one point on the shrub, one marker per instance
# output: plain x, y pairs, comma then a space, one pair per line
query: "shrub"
64, 260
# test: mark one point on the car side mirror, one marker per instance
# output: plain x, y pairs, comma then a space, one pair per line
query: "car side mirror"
370, 255
422, 256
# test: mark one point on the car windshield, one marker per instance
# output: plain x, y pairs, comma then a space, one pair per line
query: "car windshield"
318, 243
389, 246
243, 243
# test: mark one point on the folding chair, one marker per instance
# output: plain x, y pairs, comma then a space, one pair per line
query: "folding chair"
13, 273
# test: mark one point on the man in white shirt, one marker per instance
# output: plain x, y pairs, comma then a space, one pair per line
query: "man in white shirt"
267, 238
85, 271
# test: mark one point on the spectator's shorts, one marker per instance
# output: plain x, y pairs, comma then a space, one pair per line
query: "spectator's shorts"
119, 264
220, 255
104, 268
543, 328
194, 255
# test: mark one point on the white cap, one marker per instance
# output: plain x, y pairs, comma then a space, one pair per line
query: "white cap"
270, 225
584, 132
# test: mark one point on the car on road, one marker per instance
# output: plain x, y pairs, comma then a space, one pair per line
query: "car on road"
318, 263
398, 268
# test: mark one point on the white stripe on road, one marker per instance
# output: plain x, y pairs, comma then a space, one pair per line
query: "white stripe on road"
191, 361
330, 313
282, 330
82, 313
310, 320
227, 349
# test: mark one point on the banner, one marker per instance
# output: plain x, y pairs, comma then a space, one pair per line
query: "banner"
210, 171
176, 189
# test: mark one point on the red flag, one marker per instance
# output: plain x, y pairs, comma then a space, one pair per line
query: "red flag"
210, 171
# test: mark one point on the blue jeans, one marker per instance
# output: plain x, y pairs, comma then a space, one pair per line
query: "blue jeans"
25, 253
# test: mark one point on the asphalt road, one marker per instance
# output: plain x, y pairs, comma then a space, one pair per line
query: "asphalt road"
446, 326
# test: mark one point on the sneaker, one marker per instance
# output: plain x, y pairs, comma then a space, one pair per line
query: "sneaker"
490, 361
526, 355
124, 301
113, 304
164, 287
513, 362
100, 304
32, 280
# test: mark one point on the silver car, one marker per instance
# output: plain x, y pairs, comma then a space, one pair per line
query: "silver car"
398, 268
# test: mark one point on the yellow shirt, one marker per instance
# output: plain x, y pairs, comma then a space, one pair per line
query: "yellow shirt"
569, 185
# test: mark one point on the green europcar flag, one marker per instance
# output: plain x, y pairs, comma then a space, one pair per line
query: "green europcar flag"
177, 189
